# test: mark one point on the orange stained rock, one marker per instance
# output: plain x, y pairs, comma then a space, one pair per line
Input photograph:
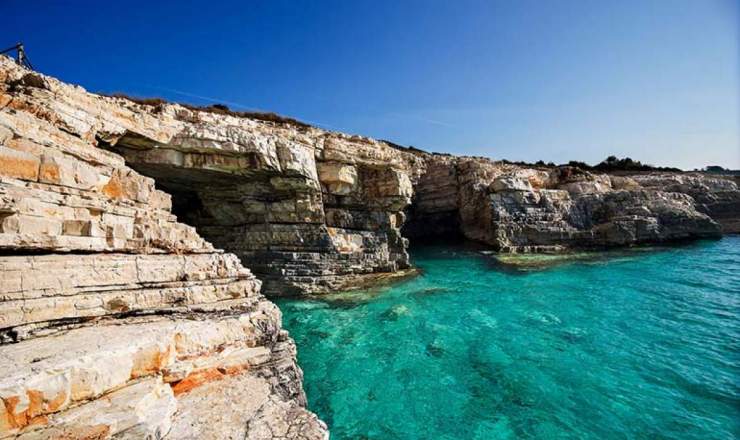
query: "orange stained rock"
35, 403
49, 172
57, 402
38, 421
113, 188
18, 168
34, 414
39, 112
6, 420
13, 420
150, 361
199, 378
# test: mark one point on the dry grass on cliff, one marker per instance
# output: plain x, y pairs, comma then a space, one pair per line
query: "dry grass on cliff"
219, 109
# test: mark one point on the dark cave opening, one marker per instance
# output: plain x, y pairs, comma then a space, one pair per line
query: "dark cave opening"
186, 205
430, 227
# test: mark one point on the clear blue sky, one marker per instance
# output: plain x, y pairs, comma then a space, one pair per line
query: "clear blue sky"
524, 80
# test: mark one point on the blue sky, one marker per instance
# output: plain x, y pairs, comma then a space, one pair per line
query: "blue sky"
556, 80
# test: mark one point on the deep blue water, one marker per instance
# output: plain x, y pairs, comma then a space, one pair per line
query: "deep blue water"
639, 344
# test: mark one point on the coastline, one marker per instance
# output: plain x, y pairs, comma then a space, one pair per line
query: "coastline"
114, 214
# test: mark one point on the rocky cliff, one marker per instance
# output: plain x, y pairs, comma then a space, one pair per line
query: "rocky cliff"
116, 320
306, 210
121, 317
517, 208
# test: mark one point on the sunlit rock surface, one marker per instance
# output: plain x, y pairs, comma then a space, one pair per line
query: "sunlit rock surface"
120, 315
555, 209
311, 211
116, 320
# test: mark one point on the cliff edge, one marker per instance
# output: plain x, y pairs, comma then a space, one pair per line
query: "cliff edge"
116, 320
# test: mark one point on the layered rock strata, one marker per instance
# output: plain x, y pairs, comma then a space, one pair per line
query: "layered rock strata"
552, 209
309, 211
717, 197
305, 209
116, 320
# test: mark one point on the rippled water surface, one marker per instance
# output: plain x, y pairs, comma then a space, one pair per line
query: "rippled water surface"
643, 344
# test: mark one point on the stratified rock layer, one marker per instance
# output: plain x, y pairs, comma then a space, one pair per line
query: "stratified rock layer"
119, 321
310, 211
552, 209
717, 197
116, 320
306, 210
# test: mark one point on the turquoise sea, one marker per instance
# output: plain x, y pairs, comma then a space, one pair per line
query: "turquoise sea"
640, 344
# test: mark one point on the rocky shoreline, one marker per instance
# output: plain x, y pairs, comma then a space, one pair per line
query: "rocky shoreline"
116, 320
554, 209
137, 241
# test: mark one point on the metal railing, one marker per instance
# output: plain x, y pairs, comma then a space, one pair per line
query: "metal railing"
21, 58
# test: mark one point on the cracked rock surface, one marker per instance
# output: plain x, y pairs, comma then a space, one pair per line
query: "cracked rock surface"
117, 320
305, 209
516, 208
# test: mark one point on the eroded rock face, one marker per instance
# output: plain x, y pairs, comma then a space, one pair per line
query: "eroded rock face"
306, 210
116, 320
552, 209
715, 196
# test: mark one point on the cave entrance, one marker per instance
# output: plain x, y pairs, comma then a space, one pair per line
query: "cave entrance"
186, 205
185, 188
434, 213
293, 235
423, 226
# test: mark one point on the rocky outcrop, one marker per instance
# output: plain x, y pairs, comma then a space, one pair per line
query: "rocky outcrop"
718, 197
552, 209
310, 211
304, 209
116, 320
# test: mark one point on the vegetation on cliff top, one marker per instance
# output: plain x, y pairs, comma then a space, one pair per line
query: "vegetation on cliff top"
610, 164
220, 109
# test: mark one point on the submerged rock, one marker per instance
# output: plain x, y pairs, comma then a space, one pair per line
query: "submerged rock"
396, 312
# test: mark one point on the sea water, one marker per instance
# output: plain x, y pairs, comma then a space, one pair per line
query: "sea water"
637, 344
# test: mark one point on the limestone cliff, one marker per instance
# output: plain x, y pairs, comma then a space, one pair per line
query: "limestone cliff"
119, 320
550, 209
308, 210
305, 209
116, 320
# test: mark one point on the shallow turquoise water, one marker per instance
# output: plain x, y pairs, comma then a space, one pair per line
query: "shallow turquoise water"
631, 345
